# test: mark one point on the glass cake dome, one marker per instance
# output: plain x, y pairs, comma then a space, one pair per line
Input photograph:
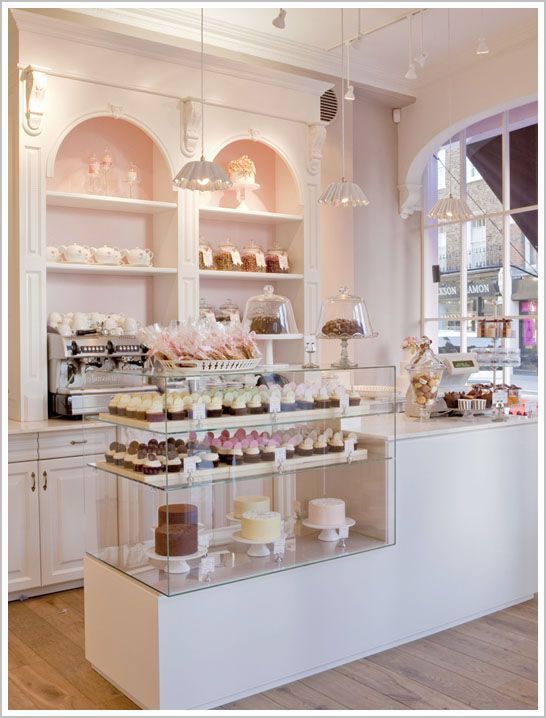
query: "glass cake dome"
270, 313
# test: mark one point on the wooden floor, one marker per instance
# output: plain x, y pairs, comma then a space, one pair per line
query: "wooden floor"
488, 664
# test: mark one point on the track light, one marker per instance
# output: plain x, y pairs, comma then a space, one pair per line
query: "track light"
279, 20
410, 74
482, 47
423, 54
350, 92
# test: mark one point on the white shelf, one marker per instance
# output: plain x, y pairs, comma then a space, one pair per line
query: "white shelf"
277, 337
103, 202
118, 270
265, 276
236, 215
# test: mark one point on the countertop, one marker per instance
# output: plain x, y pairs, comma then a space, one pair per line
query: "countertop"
382, 427
39, 427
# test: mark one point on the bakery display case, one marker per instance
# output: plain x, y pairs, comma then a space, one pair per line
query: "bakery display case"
216, 477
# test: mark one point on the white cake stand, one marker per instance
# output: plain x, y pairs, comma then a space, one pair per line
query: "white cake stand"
256, 548
174, 564
329, 533
231, 518
240, 192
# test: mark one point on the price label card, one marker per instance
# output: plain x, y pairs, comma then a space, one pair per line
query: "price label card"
279, 546
343, 532
280, 455
207, 257
235, 257
274, 404
344, 402
198, 411
500, 395
260, 259
283, 261
190, 464
234, 318
349, 446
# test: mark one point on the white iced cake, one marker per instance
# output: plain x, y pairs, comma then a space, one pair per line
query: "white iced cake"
326, 512
264, 526
259, 504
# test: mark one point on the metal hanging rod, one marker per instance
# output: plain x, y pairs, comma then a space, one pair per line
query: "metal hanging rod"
360, 34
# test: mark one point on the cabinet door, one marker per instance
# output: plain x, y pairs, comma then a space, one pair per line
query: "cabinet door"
62, 519
23, 526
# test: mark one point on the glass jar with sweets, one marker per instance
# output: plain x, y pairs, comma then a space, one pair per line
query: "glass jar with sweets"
206, 310
253, 258
276, 261
206, 259
227, 258
228, 312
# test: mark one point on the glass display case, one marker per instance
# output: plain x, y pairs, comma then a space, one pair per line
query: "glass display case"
269, 313
218, 477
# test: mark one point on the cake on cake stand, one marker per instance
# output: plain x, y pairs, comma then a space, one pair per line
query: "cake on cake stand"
174, 564
330, 532
256, 547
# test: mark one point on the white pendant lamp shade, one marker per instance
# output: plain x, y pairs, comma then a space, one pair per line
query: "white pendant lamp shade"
201, 175
451, 209
343, 194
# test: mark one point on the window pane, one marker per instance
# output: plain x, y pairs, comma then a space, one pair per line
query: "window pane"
484, 165
523, 155
443, 257
484, 250
442, 174
524, 240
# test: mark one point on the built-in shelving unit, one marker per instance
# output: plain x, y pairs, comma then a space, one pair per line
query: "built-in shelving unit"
118, 270
106, 203
255, 216
265, 276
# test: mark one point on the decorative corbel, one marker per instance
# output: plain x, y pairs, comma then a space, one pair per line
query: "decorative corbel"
116, 110
316, 134
190, 111
35, 82
409, 199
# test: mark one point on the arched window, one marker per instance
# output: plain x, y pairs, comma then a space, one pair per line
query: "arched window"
487, 267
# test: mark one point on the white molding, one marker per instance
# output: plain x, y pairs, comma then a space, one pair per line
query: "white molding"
409, 199
316, 136
190, 121
34, 80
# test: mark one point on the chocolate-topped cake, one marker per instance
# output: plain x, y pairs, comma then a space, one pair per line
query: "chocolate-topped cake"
176, 540
178, 514
342, 328
264, 324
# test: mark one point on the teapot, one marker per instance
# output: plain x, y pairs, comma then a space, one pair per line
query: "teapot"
138, 257
106, 255
53, 254
76, 253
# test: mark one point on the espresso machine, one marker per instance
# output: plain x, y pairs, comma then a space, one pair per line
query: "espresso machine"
85, 370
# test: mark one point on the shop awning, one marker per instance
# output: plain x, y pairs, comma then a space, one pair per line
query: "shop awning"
486, 156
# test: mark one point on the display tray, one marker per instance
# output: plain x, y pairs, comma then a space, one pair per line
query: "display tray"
229, 473
248, 420
301, 550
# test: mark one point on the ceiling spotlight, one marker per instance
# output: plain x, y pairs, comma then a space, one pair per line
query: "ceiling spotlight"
482, 47
350, 94
422, 58
411, 74
423, 54
279, 20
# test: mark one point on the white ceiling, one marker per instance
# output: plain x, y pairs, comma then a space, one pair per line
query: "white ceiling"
379, 60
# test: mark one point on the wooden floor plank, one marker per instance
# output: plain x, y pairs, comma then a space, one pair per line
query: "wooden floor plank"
297, 696
524, 610
477, 670
445, 681
19, 654
412, 694
18, 698
58, 613
512, 624
47, 689
119, 703
253, 703
495, 655
350, 693
498, 636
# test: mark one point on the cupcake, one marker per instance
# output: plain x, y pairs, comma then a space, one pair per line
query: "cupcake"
251, 453
175, 412
234, 452
110, 452
227, 399
139, 460
336, 443
156, 412
288, 400
290, 449
151, 465
305, 399
320, 446
173, 463
134, 404
238, 405
131, 453
141, 410
214, 409
113, 404
305, 448
122, 404
268, 451
254, 405
335, 396
322, 400
119, 454
209, 460
354, 398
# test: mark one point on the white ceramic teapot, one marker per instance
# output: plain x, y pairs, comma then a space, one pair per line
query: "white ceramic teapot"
138, 257
106, 255
53, 254
76, 253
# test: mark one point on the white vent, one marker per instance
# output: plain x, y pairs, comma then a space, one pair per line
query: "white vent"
328, 106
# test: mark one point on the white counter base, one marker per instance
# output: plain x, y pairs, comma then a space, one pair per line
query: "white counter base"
466, 546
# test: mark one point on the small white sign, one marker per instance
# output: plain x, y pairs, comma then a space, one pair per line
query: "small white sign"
274, 404
234, 318
235, 256
198, 411
207, 257
260, 259
190, 464
500, 395
206, 567
349, 446
344, 402
343, 532
280, 455
283, 261
279, 546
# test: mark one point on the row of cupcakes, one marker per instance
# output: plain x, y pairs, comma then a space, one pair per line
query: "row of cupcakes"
210, 451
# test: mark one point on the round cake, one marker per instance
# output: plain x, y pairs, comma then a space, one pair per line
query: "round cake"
326, 512
178, 514
176, 540
261, 526
259, 504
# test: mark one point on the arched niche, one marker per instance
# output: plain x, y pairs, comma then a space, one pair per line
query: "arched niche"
126, 142
279, 189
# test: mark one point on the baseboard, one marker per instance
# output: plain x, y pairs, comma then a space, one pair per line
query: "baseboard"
44, 590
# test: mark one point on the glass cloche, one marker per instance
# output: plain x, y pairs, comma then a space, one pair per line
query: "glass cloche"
228, 312
270, 313
425, 371
344, 316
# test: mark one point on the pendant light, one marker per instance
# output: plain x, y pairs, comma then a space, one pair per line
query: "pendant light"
450, 208
343, 193
482, 47
201, 175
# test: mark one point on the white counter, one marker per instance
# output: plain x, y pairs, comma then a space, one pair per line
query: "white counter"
47, 425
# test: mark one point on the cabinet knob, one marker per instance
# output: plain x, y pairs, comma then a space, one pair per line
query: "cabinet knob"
73, 442
44, 474
33, 477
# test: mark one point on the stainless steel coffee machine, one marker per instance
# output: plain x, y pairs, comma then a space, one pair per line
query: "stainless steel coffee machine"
88, 368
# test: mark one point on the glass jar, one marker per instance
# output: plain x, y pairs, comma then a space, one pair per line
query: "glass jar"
425, 372
227, 258
276, 261
206, 258
344, 316
228, 312
253, 258
269, 313
206, 310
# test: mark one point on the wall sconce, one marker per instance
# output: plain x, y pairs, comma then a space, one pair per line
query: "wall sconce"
35, 81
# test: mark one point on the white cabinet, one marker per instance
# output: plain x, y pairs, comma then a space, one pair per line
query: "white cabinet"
23, 526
